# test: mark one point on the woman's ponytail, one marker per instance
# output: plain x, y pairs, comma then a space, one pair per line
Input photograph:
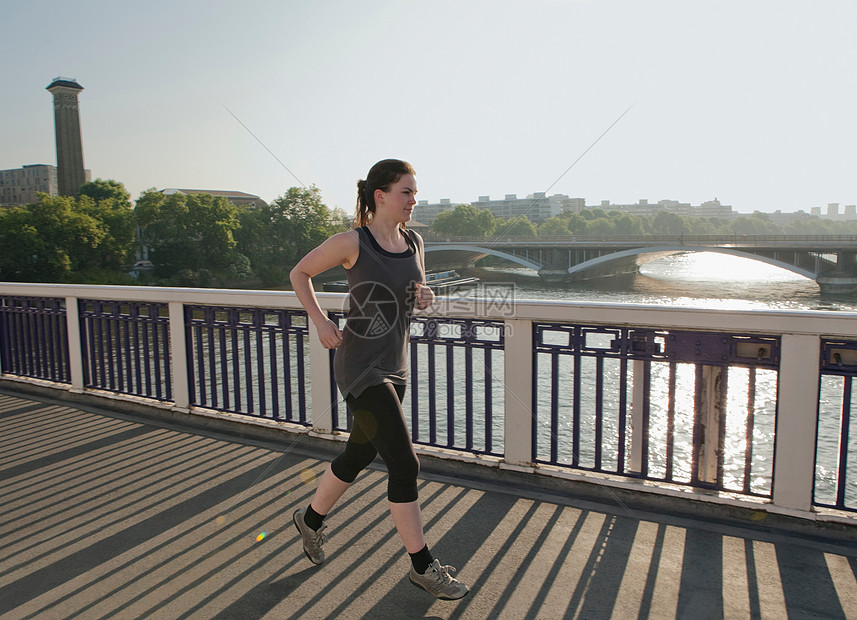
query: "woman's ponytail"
381, 176
364, 211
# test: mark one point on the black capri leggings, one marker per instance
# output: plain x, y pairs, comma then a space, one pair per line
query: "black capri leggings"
379, 428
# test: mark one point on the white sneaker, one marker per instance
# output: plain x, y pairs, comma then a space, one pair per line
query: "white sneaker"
438, 582
313, 540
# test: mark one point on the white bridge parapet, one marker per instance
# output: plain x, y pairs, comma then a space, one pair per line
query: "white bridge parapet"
800, 335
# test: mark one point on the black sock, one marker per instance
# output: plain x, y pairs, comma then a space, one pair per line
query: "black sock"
421, 560
312, 518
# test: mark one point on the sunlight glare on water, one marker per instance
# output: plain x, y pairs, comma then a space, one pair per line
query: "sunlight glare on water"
709, 280
726, 282
718, 267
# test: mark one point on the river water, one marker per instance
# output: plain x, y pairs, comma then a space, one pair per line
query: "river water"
705, 280
701, 280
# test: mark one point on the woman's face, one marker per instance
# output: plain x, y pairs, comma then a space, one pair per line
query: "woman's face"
399, 202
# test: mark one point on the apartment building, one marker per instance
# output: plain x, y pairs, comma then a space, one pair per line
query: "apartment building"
19, 186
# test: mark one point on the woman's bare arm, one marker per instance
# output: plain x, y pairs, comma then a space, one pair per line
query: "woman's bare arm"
340, 249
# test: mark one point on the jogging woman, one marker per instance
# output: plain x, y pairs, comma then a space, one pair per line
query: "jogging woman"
386, 278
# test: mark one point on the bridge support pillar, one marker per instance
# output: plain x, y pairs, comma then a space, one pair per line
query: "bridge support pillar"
553, 276
837, 285
841, 280
556, 267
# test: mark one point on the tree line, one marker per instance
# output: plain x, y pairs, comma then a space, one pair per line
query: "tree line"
204, 240
466, 220
190, 239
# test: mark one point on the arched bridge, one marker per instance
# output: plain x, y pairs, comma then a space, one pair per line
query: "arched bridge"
830, 260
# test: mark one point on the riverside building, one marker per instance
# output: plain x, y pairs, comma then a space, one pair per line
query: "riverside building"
537, 207
710, 208
239, 199
20, 186
833, 212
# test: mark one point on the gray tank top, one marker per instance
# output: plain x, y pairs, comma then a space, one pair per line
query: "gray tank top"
381, 298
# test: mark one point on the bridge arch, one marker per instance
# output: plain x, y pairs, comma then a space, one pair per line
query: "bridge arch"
622, 261
452, 255
625, 261
831, 261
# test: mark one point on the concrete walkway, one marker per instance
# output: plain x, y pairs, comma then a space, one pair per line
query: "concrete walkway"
108, 516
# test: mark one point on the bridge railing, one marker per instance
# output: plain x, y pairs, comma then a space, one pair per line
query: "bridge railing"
849, 241
729, 406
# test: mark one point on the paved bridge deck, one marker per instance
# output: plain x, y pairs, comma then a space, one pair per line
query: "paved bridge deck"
105, 515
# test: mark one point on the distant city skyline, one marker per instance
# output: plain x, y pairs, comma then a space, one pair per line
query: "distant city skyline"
747, 102
537, 208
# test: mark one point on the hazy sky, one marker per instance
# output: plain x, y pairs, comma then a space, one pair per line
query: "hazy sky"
750, 101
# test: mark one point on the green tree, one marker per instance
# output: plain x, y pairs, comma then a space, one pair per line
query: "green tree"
47, 241
515, 227
276, 237
554, 227
624, 224
101, 189
602, 226
813, 226
756, 224
701, 226
668, 223
301, 221
189, 233
22, 252
465, 220
240, 267
252, 237
340, 220
576, 223
108, 202
591, 214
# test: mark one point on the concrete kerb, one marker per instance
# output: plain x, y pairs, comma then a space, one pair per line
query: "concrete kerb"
622, 497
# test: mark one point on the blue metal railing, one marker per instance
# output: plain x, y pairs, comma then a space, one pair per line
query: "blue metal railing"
836, 445
126, 347
581, 404
248, 361
34, 338
686, 407
467, 385
557, 344
337, 404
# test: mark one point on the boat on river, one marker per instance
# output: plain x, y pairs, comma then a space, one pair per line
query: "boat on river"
441, 282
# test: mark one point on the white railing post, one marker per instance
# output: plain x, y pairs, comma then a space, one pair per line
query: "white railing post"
75, 348
712, 418
320, 382
797, 389
178, 357
518, 393
797, 415
637, 427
